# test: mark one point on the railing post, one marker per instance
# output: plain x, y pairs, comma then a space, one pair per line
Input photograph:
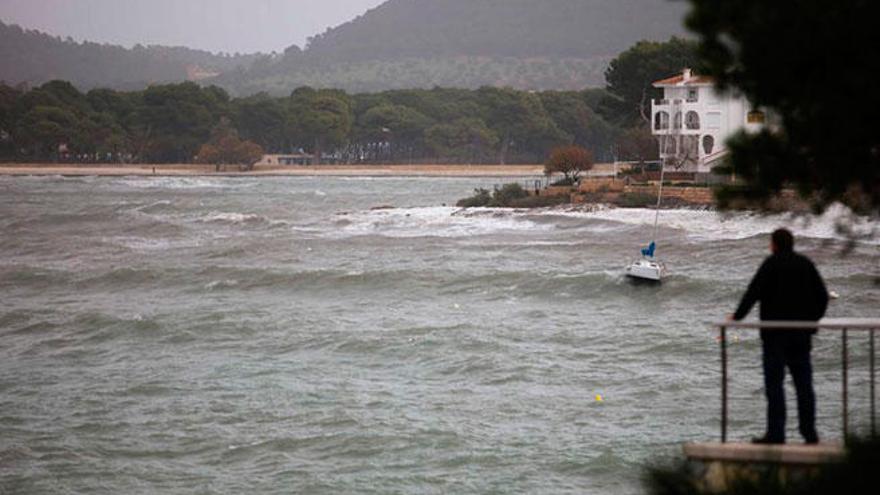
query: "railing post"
845, 384
723, 384
873, 388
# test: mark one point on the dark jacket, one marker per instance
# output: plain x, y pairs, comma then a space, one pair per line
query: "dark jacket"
789, 288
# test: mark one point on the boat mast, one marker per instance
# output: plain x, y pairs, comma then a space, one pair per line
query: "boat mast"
677, 124
659, 197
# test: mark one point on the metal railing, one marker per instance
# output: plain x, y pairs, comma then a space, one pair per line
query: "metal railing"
844, 326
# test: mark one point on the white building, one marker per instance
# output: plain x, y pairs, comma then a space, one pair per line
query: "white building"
286, 160
693, 121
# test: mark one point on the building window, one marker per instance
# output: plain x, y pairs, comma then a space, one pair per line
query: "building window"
692, 120
708, 144
661, 120
755, 117
693, 95
676, 124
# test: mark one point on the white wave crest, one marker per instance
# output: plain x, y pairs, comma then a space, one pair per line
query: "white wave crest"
705, 225
233, 218
437, 221
150, 244
221, 284
180, 183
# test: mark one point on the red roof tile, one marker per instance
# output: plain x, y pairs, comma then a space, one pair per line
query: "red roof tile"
679, 81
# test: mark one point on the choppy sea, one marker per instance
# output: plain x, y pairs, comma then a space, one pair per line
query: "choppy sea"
334, 335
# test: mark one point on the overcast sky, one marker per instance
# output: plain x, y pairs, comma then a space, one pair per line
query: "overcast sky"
217, 25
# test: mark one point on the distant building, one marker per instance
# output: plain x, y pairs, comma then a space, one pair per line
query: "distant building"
197, 73
693, 121
287, 160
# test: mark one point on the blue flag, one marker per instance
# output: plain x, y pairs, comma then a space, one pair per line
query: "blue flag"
649, 251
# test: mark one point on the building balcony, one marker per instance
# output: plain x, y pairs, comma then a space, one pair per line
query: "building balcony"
662, 130
680, 103
659, 102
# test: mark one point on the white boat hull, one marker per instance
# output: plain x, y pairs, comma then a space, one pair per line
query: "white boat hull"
646, 269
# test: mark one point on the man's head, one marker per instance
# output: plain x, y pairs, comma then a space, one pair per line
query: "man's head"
782, 241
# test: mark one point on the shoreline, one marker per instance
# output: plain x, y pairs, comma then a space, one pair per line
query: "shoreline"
185, 170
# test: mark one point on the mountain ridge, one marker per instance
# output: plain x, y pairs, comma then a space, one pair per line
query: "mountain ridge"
33, 57
552, 44
400, 44
497, 28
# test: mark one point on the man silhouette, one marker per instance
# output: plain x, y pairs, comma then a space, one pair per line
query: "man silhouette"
789, 288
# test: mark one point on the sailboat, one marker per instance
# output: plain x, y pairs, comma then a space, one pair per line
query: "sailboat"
649, 268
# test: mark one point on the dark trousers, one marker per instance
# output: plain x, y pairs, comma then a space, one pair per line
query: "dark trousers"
792, 352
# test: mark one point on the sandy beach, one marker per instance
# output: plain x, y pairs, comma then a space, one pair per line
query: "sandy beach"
270, 171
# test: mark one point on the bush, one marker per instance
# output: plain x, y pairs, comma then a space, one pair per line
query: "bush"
509, 196
480, 198
570, 161
508, 193
637, 200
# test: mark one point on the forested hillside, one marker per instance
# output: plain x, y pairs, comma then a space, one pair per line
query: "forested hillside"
451, 72
402, 44
32, 57
175, 122
498, 28
524, 44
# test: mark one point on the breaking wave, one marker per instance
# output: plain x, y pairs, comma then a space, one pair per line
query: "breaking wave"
706, 225
697, 225
434, 222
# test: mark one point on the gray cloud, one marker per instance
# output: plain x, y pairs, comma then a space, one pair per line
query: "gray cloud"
215, 25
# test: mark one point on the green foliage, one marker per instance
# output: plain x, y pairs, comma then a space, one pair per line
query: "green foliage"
318, 119
169, 123
520, 120
390, 121
636, 200
630, 76
464, 71
574, 114
263, 120
509, 196
178, 119
481, 198
808, 65
464, 139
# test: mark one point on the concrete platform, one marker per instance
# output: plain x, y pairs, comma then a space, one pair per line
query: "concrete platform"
787, 454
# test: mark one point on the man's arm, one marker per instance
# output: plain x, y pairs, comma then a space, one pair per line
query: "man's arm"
753, 293
820, 294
